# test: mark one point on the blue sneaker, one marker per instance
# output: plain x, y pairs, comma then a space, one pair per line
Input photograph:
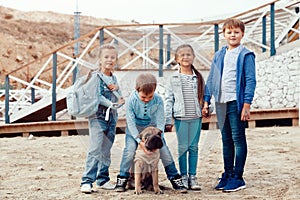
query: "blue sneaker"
234, 184
222, 181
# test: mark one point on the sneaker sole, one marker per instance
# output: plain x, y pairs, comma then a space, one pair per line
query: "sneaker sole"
119, 190
195, 189
236, 189
86, 192
181, 191
104, 188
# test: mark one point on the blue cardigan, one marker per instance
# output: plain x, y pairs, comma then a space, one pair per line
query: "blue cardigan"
245, 77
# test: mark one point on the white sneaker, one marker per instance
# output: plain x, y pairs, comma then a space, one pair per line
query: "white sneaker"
106, 186
185, 181
86, 188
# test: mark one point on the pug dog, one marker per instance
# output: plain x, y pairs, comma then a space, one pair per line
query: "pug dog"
146, 165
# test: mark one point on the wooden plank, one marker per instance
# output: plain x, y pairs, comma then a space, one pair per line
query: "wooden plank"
49, 126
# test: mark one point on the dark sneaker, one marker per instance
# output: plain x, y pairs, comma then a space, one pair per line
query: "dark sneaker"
234, 184
121, 184
222, 181
178, 185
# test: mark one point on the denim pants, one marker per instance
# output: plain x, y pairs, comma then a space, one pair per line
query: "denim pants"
101, 136
188, 135
233, 137
129, 152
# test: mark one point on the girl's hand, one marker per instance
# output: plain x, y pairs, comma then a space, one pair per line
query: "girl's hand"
112, 87
245, 115
142, 145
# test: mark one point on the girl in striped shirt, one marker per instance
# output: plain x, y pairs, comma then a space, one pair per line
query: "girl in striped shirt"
183, 103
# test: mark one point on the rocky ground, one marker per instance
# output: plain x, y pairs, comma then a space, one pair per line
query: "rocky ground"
51, 167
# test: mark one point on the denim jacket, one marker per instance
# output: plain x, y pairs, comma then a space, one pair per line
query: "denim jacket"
245, 77
174, 102
143, 114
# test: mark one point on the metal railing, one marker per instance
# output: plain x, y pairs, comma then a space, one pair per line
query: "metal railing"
144, 46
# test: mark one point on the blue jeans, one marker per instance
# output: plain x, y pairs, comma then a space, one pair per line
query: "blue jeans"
129, 152
188, 135
233, 137
101, 136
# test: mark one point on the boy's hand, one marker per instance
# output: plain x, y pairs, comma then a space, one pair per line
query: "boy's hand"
245, 115
142, 145
168, 127
205, 110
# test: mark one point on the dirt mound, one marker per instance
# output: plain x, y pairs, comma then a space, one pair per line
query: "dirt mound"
26, 36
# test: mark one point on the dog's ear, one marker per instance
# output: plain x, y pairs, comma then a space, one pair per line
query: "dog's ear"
159, 133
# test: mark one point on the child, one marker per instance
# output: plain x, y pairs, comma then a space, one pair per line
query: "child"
102, 125
184, 99
145, 108
232, 83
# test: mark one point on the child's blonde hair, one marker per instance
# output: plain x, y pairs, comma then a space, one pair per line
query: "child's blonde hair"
233, 23
146, 83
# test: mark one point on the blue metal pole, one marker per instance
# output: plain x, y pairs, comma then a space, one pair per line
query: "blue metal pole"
54, 71
32, 95
161, 53
272, 24
264, 33
76, 45
168, 49
101, 36
216, 32
7, 120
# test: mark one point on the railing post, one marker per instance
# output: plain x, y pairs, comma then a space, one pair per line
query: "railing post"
32, 95
272, 28
54, 71
216, 32
161, 53
7, 120
264, 33
116, 44
168, 50
101, 36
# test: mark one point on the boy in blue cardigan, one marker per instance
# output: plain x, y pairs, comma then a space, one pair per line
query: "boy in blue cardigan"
232, 83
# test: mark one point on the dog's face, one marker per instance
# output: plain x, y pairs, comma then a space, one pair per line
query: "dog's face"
152, 138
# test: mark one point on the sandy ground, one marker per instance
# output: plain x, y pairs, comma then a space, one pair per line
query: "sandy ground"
51, 167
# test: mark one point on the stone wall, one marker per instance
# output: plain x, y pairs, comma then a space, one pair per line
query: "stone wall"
278, 80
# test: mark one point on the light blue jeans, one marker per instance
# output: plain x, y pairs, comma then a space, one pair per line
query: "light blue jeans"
233, 137
129, 152
101, 136
188, 135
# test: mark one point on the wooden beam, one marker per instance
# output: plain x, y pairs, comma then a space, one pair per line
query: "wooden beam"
65, 126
